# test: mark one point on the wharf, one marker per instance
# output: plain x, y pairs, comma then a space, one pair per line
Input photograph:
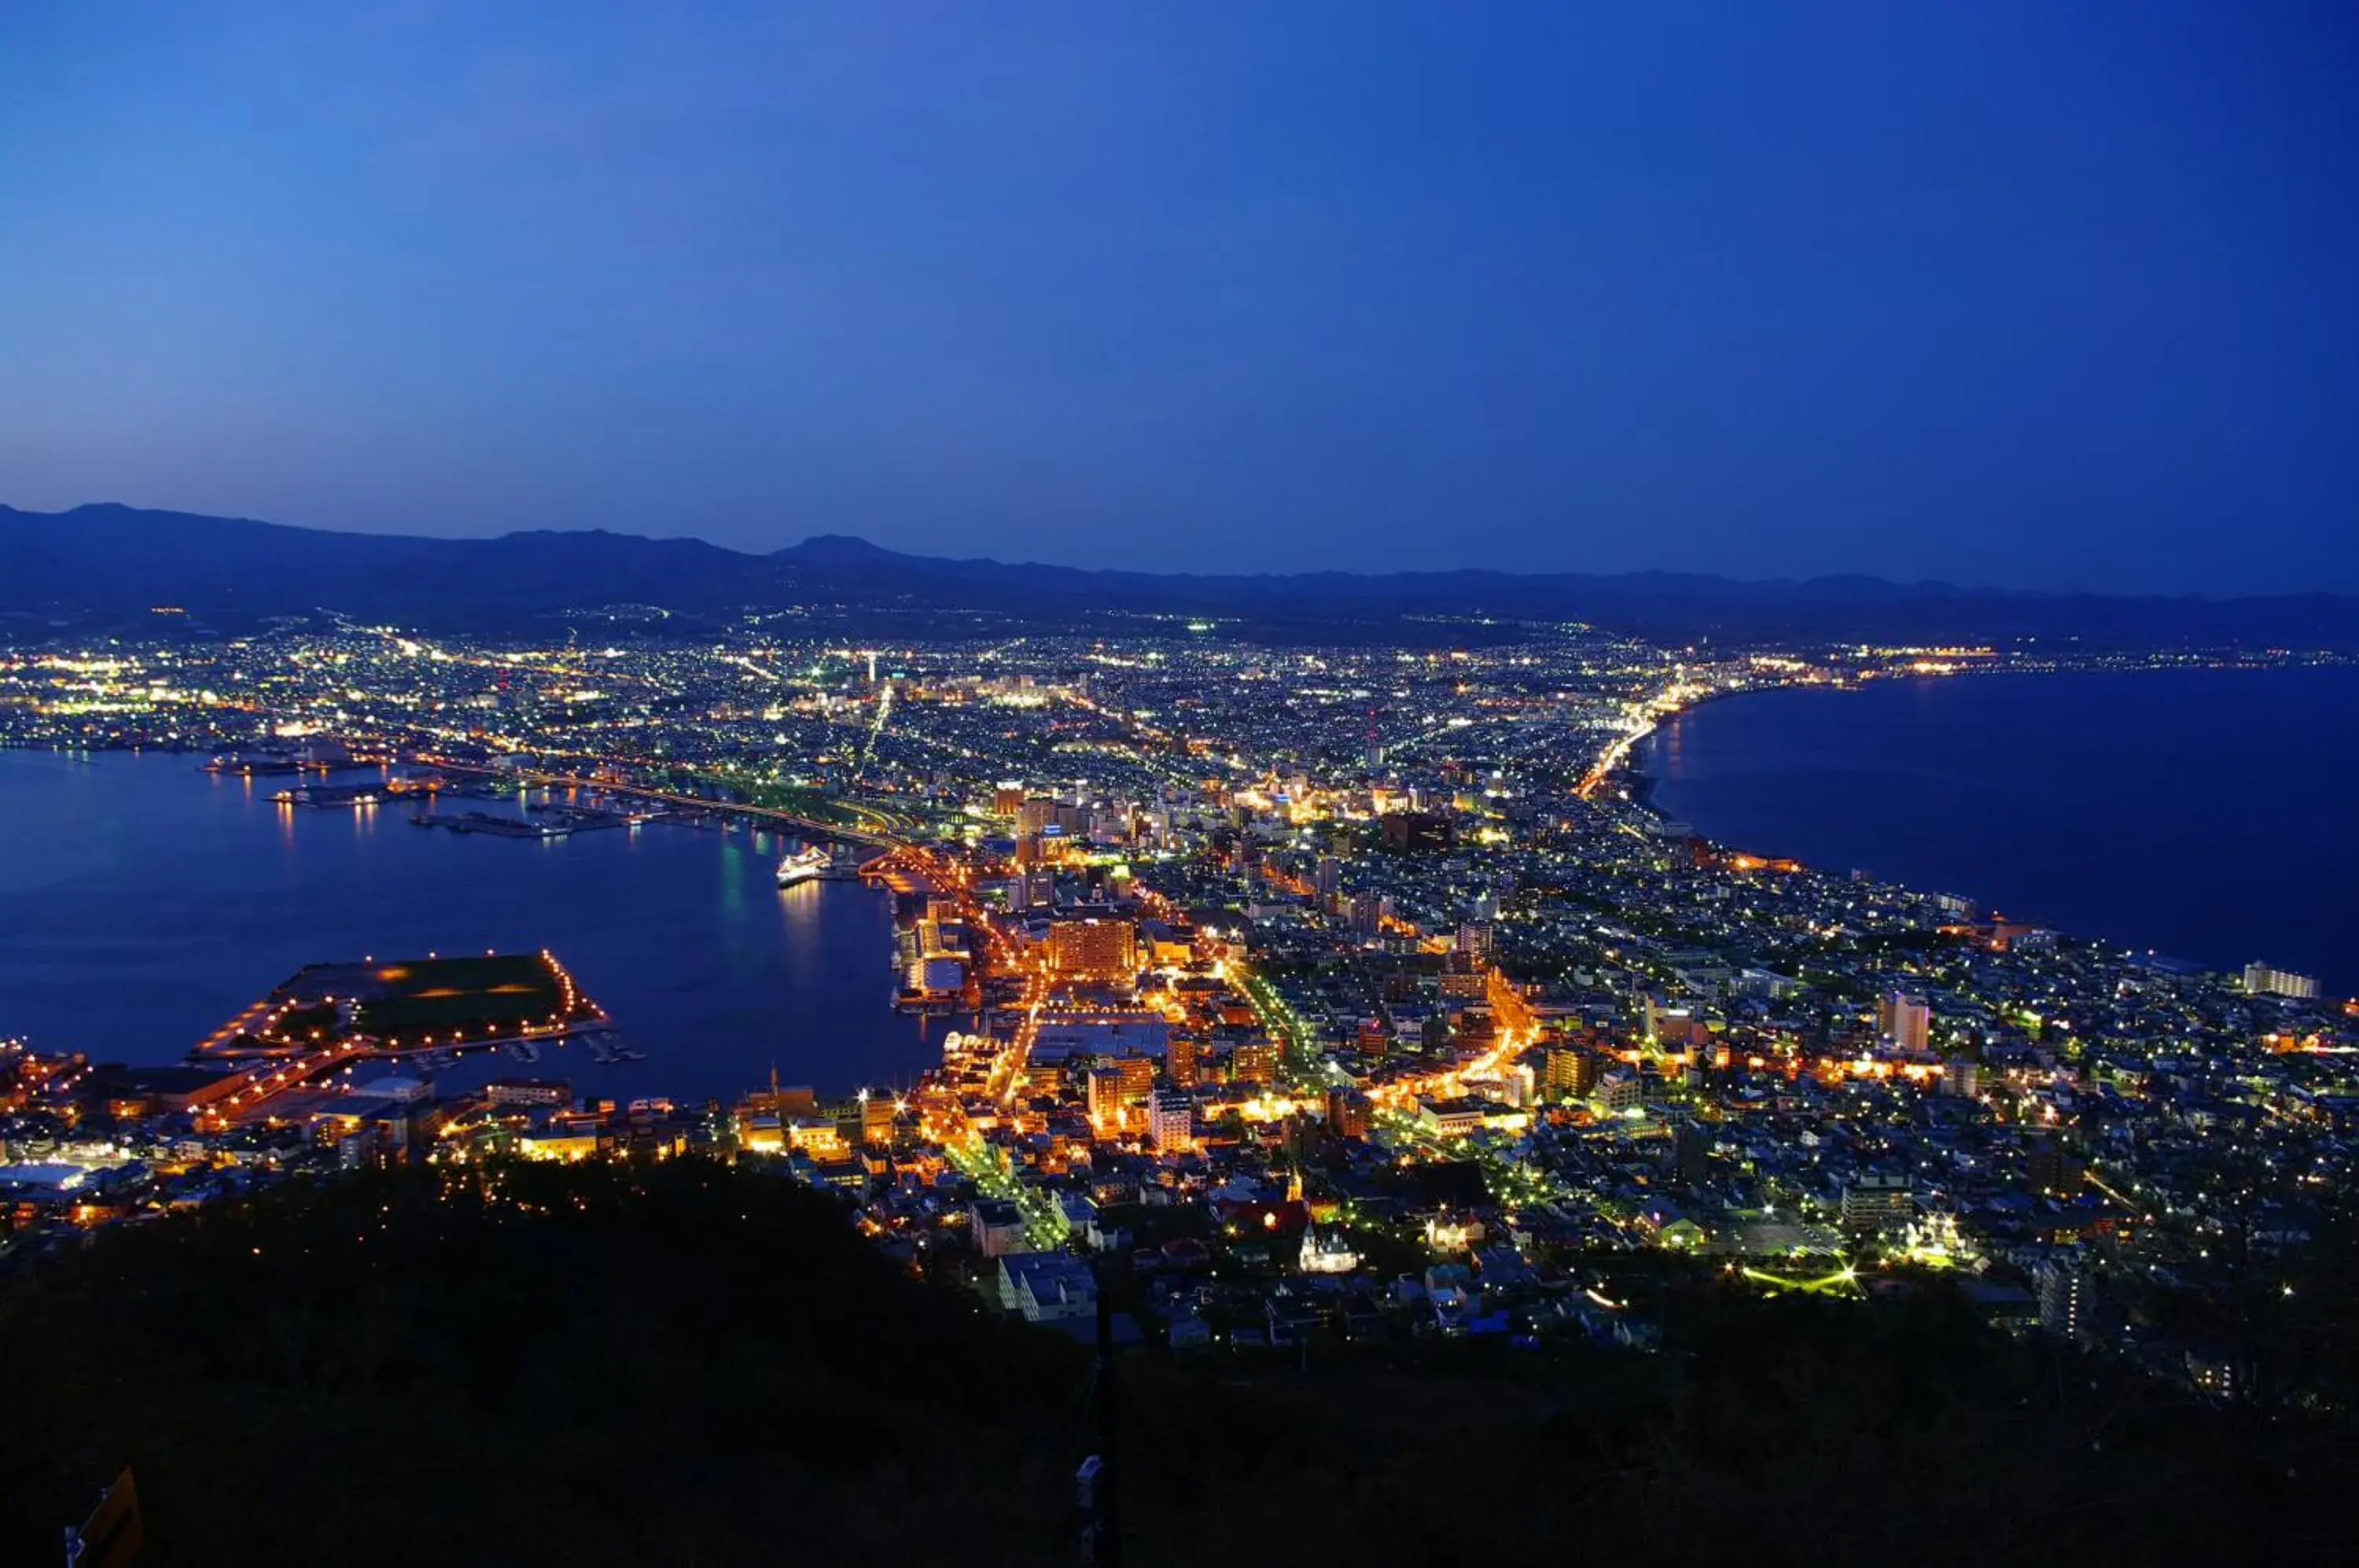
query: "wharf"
487, 823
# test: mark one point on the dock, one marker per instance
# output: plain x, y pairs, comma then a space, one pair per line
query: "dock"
487, 822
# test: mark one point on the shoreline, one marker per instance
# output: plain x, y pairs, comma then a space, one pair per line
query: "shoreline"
679, 1020
1638, 786
1642, 788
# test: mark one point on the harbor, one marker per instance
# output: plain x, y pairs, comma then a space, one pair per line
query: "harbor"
181, 894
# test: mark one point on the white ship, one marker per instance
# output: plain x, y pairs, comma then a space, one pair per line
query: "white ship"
803, 866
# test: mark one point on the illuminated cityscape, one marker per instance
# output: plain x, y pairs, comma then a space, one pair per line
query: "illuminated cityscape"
1320, 785
1342, 993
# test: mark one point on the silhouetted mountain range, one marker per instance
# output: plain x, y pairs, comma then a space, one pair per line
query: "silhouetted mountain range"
109, 562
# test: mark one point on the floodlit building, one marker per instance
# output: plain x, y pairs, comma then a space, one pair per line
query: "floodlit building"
2262, 980
1571, 1072
1115, 1086
1182, 1060
1170, 1119
1253, 1061
937, 974
1350, 1114
1329, 1254
1905, 1022
1874, 1204
1093, 949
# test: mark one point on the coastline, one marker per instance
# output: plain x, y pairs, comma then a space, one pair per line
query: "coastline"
1638, 785
1622, 770
191, 896
1849, 804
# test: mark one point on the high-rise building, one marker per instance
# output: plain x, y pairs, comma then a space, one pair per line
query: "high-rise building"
2262, 980
1112, 1092
1571, 1072
1350, 1114
1094, 948
1474, 940
1253, 1061
877, 1113
1618, 1092
2065, 1297
1329, 881
1182, 1059
1874, 1204
1115, 1086
1691, 1153
1903, 1021
1170, 1119
1138, 1077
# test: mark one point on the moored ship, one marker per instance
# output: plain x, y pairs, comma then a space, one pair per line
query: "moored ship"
840, 864
803, 866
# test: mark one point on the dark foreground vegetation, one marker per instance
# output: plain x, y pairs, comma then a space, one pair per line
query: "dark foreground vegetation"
686, 1365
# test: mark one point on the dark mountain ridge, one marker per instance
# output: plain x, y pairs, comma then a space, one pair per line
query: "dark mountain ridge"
111, 560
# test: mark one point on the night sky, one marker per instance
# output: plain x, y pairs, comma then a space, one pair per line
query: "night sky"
2037, 294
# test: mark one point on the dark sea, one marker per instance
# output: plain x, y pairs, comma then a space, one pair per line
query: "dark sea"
143, 903
2210, 815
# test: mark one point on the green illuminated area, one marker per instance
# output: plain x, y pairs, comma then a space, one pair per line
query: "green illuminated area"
1275, 1015
1045, 1224
1843, 1281
401, 1004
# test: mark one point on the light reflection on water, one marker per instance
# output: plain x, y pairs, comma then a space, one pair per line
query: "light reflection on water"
2155, 809
142, 902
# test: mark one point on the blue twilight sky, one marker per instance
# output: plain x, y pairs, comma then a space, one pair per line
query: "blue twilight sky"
2046, 294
